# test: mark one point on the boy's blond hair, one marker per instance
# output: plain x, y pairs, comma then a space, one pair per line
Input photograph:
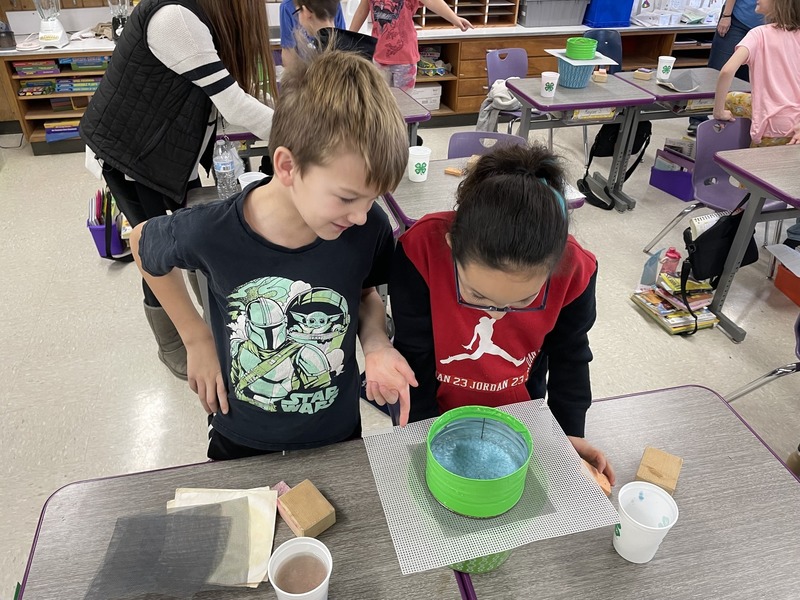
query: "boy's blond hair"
336, 103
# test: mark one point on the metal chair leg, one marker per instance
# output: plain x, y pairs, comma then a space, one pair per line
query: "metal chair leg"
550, 139
670, 225
586, 146
763, 380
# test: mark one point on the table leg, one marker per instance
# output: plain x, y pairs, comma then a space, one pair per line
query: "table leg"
740, 241
525, 121
412, 134
622, 155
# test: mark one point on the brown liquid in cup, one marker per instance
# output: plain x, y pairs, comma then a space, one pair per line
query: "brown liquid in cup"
300, 574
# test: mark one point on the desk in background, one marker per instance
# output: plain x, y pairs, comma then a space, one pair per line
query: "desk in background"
77, 522
413, 113
739, 525
766, 173
613, 94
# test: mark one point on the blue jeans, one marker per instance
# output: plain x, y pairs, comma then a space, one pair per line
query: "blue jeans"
722, 48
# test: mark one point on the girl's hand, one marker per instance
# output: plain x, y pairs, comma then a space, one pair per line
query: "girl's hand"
724, 115
463, 24
593, 456
388, 379
796, 137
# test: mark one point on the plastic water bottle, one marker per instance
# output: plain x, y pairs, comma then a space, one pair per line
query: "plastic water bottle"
224, 171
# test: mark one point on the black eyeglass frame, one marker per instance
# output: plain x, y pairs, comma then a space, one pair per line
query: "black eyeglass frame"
505, 309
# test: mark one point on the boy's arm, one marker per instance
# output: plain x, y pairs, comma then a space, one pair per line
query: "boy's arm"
724, 81
795, 135
360, 15
440, 8
204, 374
387, 372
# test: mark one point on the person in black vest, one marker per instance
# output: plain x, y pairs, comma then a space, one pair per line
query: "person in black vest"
178, 65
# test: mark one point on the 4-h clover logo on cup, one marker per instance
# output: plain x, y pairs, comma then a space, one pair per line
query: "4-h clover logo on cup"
420, 168
666, 69
549, 86
617, 529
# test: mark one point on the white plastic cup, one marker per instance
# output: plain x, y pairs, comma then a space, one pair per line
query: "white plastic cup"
665, 65
419, 161
246, 179
549, 84
291, 549
646, 514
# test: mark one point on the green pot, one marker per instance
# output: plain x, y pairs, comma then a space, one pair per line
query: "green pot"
477, 460
581, 48
484, 564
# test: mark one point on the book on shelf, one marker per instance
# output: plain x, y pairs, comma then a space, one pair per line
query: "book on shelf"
35, 90
668, 317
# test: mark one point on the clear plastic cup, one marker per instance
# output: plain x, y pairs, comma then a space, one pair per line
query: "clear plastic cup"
419, 161
246, 179
646, 514
665, 65
549, 84
287, 555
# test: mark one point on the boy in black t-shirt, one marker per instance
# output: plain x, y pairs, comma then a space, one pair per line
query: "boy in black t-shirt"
291, 281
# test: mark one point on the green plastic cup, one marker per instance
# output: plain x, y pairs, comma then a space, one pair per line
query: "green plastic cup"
581, 48
477, 461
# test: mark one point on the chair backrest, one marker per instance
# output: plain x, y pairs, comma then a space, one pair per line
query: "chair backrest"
609, 43
505, 63
712, 186
467, 143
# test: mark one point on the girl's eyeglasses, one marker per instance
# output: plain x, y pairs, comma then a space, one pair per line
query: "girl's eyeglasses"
505, 309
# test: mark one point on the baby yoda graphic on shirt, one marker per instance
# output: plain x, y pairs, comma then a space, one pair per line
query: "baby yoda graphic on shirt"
286, 339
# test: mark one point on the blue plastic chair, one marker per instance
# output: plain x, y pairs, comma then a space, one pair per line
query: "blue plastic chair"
609, 43
468, 143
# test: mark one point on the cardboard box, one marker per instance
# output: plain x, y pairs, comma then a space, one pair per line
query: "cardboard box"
427, 94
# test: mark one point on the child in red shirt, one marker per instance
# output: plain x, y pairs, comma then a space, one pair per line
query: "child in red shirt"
492, 302
397, 52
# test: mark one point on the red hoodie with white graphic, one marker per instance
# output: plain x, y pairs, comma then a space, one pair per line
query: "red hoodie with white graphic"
462, 356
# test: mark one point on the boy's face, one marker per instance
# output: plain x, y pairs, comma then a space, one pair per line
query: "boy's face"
333, 197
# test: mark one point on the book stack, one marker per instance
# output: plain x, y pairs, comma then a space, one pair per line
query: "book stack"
35, 90
36, 67
663, 304
77, 84
60, 104
56, 131
86, 63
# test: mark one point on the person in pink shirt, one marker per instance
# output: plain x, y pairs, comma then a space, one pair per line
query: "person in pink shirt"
771, 51
397, 52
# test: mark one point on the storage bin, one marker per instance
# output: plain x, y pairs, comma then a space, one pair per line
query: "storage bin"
99, 236
538, 13
574, 76
788, 283
427, 94
675, 183
608, 13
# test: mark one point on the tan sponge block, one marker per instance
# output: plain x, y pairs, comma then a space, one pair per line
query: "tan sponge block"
306, 510
660, 468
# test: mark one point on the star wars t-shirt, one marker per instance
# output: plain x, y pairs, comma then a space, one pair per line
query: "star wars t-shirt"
284, 320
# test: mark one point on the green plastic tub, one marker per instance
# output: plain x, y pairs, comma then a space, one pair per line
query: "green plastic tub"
477, 461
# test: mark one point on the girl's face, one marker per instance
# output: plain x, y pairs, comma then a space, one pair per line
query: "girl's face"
482, 286
763, 7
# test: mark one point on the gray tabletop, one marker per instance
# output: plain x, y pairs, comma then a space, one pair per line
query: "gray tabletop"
772, 169
703, 76
738, 533
412, 111
78, 520
613, 92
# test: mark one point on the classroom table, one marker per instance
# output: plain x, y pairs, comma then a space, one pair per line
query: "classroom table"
767, 173
413, 113
412, 200
77, 522
669, 104
613, 95
738, 527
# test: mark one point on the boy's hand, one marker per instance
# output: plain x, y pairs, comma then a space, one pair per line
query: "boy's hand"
724, 115
796, 137
463, 24
593, 456
388, 379
205, 376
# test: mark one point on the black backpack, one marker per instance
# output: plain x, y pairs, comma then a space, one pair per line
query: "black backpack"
603, 145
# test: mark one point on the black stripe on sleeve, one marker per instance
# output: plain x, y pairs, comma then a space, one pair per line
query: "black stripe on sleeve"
215, 88
204, 70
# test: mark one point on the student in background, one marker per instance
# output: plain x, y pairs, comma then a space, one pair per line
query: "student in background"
492, 303
178, 65
290, 26
397, 53
316, 18
736, 19
771, 51
292, 265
